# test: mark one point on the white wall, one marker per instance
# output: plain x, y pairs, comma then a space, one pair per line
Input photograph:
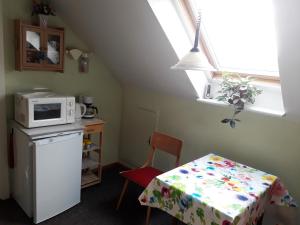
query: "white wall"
4, 186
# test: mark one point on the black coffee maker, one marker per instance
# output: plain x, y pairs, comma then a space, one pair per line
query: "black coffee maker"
91, 110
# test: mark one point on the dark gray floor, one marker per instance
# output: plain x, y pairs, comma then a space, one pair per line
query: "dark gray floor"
97, 207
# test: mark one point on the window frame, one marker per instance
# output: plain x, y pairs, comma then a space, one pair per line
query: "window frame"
190, 17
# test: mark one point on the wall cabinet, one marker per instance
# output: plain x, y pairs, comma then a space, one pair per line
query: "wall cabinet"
39, 48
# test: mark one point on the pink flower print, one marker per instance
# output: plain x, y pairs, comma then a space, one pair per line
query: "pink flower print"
195, 170
257, 207
225, 179
278, 189
144, 199
253, 195
165, 192
231, 184
218, 165
226, 222
229, 163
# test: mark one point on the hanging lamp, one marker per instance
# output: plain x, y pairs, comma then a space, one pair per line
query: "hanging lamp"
195, 59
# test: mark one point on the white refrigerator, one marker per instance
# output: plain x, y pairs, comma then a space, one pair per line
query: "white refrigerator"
47, 172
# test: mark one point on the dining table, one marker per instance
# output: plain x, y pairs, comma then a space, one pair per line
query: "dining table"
213, 190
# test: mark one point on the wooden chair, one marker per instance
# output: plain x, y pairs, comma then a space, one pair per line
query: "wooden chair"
143, 175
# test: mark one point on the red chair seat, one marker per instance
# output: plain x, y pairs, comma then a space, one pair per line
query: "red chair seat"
141, 176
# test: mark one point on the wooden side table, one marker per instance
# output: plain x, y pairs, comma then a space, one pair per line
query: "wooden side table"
91, 155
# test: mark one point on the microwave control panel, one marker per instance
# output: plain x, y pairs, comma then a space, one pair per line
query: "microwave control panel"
70, 107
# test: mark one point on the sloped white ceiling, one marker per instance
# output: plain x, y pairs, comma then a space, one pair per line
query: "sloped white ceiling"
130, 41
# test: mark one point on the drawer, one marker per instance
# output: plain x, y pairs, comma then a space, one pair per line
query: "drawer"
93, 128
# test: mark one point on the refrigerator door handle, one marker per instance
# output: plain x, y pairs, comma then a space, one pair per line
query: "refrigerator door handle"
55, 139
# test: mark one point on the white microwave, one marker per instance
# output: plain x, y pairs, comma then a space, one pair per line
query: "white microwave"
38, 109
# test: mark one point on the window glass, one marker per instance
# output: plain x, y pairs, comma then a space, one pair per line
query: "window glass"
240, 34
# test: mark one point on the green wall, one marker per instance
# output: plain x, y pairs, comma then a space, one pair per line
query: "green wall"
4, 184
263, 142
99, 82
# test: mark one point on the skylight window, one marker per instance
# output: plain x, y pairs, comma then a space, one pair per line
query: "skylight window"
240, 35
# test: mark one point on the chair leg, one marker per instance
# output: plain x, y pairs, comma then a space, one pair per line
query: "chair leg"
260, 221
175, 221
148, 215
122, 194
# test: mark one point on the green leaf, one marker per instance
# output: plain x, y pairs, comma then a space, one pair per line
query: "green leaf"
236, 220
178, 216
237, 91
157, 194
237, 112
225, 120
213, 223
232, 123
217, 214
200, 213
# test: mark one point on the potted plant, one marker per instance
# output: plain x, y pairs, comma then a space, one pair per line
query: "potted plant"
42, 9
237, 91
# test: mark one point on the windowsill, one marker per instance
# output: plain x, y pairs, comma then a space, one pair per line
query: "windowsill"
259, 82
251, 108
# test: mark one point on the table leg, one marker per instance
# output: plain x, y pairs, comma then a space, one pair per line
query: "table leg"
148, 215
175, 221
260, 220
122, 194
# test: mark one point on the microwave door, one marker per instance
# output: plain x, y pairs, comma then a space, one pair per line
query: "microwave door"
46, 112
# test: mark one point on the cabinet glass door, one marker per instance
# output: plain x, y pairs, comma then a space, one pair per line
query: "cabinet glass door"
33, 47
54, 42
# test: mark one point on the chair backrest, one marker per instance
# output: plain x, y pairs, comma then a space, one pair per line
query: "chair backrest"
166, 143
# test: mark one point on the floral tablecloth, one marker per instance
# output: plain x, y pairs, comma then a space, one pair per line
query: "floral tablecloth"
213, 190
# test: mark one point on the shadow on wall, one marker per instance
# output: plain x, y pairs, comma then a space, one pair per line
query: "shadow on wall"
282, 215
9, 55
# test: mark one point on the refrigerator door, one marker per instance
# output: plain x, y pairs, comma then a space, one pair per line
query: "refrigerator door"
21, 178
56, 175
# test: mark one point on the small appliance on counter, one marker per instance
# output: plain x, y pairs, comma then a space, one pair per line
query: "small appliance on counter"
91, 109
80, 110
38, 109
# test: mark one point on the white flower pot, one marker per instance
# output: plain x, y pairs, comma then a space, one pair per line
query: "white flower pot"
43, 20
